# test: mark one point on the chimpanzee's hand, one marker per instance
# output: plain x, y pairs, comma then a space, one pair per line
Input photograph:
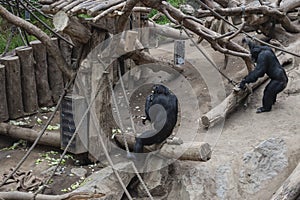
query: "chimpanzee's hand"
242, 84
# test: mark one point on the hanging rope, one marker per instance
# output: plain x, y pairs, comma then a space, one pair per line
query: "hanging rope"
45, 25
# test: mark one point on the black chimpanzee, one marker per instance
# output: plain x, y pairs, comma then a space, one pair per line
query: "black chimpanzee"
266, 63
161, 109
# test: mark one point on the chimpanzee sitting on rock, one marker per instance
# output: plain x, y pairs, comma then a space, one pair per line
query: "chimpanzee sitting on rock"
266, 63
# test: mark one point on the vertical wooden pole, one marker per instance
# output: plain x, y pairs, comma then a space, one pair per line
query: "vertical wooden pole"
41, 73
55, 77
13, 86
3, 101
66, 51
29, 92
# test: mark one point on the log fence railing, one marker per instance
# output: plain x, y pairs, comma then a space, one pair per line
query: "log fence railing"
29, 79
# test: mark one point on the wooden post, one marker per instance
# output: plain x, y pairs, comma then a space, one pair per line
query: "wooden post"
29, 92
13, 86
55, 76
41, 73
66, 51
3, 101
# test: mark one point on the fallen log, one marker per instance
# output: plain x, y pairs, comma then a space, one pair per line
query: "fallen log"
220, 112
69, 196
196, 151
49, 138
231, 102
290, 189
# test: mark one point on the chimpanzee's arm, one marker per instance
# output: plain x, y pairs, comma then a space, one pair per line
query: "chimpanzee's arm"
260, 69
148, 104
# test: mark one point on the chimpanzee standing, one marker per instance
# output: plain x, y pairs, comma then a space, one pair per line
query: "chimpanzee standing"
161, 108
266, 63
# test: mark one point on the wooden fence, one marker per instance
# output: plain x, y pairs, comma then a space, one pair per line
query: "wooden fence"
30, 79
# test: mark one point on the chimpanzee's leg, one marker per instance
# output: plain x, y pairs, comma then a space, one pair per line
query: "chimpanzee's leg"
147, 138
270, 94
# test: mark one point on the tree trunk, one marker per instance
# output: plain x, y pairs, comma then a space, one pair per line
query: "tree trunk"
13, 86
49, 138
3, 101
290, 189
41, 73
195, 151
28, 79
55, 76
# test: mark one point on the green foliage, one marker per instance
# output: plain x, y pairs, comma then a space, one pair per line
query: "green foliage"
164, 19
16, 41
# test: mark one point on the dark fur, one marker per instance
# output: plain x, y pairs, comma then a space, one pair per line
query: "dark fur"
161, 109
266, 63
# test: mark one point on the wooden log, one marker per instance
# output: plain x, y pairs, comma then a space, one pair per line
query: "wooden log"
41, 73
66, 51
195, 151
55, 76
47, 2
167, 31
13, 86
290, 189
69, 196
3, 101
49, 138
102, 6
71, 26
220, 112
29, 92
72, 5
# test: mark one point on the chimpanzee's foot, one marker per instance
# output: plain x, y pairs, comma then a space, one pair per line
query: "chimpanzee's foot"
262, 109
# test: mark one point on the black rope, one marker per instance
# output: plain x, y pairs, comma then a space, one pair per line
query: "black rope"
209, 60
44, 24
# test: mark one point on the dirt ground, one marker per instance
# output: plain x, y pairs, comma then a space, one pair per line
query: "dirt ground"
242, 130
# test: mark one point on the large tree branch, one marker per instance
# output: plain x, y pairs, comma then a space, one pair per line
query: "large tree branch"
264, 10
43, 37
122, 21
211, 36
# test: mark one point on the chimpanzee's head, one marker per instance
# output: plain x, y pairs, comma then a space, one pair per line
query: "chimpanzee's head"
254, 48
160, 89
